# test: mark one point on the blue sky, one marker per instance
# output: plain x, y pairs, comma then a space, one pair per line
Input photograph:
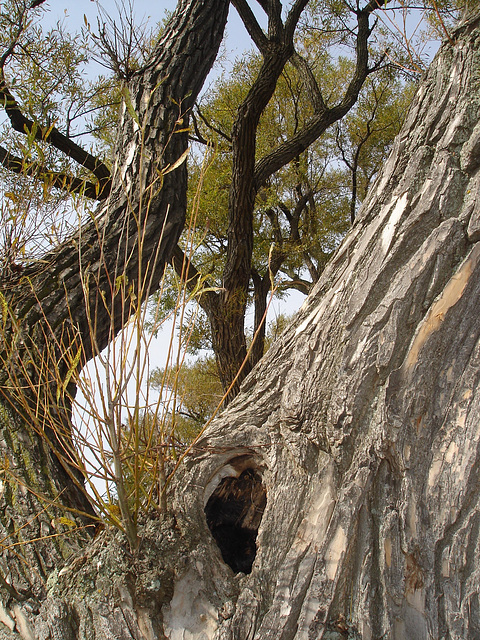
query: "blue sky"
236, 42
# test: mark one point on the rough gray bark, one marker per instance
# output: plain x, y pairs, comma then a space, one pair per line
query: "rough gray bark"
362, 421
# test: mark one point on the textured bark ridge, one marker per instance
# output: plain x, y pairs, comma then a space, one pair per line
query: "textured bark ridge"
361, 424
152, 137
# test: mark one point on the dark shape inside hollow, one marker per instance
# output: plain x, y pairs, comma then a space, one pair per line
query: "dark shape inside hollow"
234, 512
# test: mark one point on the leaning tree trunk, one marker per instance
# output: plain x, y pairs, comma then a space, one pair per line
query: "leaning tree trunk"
359, 428
67, 299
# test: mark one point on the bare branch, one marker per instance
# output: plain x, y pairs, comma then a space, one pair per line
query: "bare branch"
288, 150
298, 284
213, 127
361, 67
263, 4
59, 180
198, 136
121, 44
251, 25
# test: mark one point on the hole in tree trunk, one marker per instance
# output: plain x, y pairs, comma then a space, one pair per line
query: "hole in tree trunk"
234, 511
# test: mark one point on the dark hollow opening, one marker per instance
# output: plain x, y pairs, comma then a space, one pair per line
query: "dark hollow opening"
234, 511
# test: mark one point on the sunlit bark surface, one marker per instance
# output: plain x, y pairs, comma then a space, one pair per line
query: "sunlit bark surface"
360, 424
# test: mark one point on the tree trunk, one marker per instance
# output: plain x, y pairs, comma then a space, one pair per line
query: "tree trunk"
68, 298
360, 426
228, 326
262, 287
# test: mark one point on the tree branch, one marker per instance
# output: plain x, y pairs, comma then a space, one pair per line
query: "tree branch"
59, 180
300, 206
298, 284
24, 125
36, 3
303, 68
293, 147
192, 277
251, 25
275, 24
277, 232
199, 138
211, 126
361, 67
288, 150
293, 18
263, 4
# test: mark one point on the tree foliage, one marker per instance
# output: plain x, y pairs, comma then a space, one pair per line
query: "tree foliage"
197, 394
304, 210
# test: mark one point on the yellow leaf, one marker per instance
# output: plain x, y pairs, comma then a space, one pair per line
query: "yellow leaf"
67, 522
114, 510
4, 308
177, 163
120, 280
73, 367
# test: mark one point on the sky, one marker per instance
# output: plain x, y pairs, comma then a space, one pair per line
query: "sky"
236, 42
